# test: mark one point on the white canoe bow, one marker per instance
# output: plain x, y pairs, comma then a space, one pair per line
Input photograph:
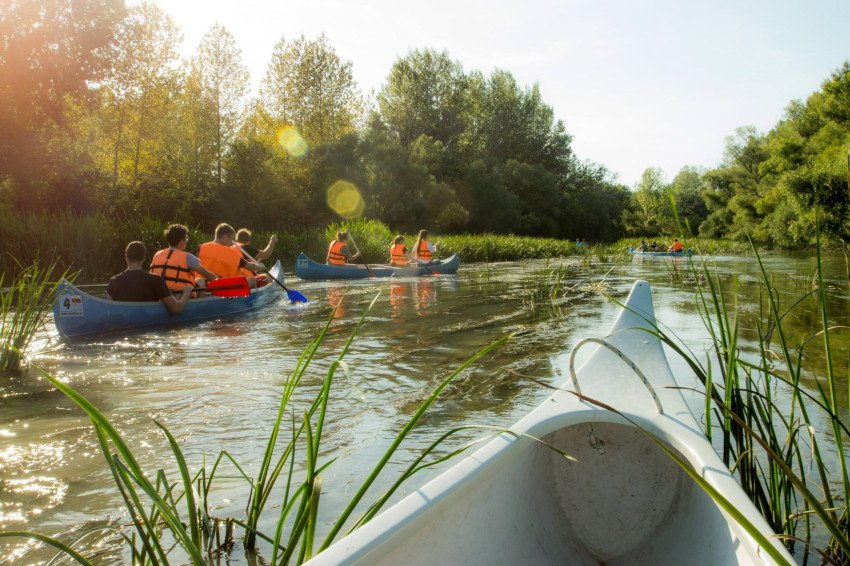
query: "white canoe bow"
623, 502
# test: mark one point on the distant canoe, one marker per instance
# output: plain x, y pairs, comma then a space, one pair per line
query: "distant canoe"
682, 253
78, 314
306, 268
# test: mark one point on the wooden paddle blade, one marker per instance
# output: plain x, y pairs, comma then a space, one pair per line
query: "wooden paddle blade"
229, 287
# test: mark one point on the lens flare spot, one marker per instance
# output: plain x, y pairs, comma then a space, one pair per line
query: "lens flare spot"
345, 199
289, 138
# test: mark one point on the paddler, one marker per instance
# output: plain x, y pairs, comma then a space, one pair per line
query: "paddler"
399, 254
178, 267
134, 284
338, 252
243, 239
222, 259
423, 250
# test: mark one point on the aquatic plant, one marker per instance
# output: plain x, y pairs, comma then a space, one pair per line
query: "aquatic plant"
772, 449
545, 287
23, 307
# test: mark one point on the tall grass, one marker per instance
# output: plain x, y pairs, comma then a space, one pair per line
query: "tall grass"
23, 308
169, 510
544, 288
777, 452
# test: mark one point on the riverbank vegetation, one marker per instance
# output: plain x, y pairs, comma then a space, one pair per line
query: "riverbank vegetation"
114, 125
93, 244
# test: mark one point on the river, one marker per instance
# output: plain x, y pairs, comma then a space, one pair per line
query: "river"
217, 385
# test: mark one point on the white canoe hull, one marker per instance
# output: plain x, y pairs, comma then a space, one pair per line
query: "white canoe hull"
624, 501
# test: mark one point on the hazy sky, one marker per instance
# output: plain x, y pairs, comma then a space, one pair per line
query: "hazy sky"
638, 84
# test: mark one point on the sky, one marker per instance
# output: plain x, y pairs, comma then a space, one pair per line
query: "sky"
637, 84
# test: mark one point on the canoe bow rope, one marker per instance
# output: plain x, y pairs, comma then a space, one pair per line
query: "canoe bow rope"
623, 357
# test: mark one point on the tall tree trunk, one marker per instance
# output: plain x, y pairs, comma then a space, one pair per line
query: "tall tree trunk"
139, 136
119, 135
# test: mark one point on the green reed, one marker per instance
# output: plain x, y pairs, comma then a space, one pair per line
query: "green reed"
544, 288
773, 450
167, 512
23, 308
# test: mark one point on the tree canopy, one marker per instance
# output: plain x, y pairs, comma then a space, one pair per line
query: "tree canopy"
102, 114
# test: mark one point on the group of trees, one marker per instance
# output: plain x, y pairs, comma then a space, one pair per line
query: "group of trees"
774, 187
100, 113
105, 116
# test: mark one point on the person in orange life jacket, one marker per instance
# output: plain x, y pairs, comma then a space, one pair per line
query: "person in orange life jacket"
423, 250
338, 252
243, 239
137, 285
222, 259
178, 267
399, 254
677, 246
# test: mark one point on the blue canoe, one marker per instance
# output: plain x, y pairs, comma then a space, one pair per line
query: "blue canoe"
77, 314
682, 253
306, 268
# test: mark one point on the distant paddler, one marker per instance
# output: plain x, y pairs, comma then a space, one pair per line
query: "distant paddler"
338, 252
423, 250
677, 246
399, 254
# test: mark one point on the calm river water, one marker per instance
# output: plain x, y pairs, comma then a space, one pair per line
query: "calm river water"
217, 385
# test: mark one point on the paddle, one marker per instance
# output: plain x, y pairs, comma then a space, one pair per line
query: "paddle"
294, 296
356, 249
227, 287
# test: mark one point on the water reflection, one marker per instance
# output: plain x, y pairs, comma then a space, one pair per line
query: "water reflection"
399, 291
336, 297
426, 293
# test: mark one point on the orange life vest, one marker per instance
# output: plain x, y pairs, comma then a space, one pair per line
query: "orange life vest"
335, 255
172, 265
220, 259
397, 256
422, 251
678, 246
242, 270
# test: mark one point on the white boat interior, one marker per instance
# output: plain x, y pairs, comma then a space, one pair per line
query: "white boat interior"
622, 501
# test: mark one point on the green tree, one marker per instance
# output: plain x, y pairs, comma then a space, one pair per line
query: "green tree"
686, 190
49, 51
137, 112
309, 87
217, 85
653, 211
425, 94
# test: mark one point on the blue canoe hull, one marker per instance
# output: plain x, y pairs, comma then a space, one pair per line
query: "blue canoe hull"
306, 268
78, 314
661, 254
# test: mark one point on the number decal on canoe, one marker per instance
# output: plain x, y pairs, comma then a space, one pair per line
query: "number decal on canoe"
302, 263
71, 305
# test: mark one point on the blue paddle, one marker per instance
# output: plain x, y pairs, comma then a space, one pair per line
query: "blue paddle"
294, 296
